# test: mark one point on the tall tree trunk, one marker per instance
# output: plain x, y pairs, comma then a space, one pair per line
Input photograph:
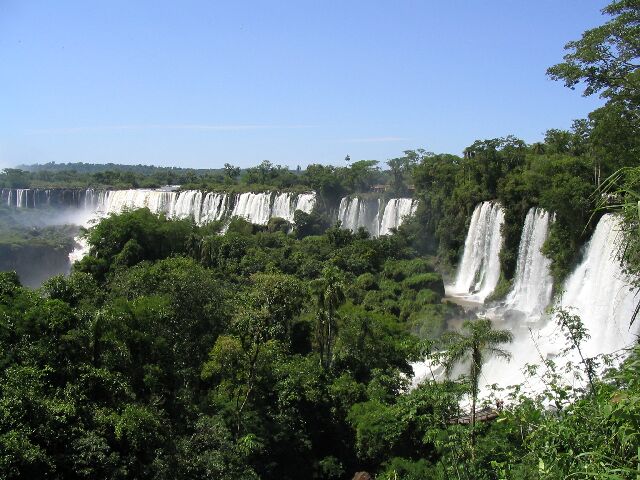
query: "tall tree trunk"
476, 362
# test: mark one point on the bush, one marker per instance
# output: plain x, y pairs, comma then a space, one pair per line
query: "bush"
430, 281
366, 281
398, 270
277, 224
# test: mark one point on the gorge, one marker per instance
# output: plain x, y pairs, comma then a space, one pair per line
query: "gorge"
523, 310
595, 280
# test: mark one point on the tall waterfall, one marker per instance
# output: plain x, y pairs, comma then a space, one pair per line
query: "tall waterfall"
356, 212
597, 290
479, 270
395, 212
532, 285
214, 207
255, 207
377, 218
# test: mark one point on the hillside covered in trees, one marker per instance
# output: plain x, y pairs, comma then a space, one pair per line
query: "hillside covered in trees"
179, 350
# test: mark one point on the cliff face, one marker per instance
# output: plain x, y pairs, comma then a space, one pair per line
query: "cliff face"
34, 263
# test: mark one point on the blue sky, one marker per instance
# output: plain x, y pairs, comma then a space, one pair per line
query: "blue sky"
201, 83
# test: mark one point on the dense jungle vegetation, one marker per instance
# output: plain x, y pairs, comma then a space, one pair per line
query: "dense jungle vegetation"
175, 351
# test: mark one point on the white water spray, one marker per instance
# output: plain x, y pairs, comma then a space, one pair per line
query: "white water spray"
597, 290
374, 216
532, 284
479, 270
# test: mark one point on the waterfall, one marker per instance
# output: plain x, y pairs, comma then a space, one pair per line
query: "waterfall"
254, 207
116, 201
187, 204
80, 249
306, 202
348, 213
479, 269
356, 212
214, 207
23, 197
395, 212
91, 198
599, 292
18, 198
532, 285
282, 206
202, 207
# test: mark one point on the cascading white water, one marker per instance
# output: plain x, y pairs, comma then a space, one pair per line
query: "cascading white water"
214, 207
285, 205
597, 290
90, 205
479, 270
395, 212
40, 198
305, 202
532, 285
187, 204
254, 207
19, 197
115, 201
356, 212
22, 197
257, 208
282, 206
352, 214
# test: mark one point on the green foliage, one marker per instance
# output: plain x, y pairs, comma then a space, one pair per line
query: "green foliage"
502, 289
425, 281
136, 236
307, 224
180, 351
238, 354
604, 61
504, 169
604, 58
479, 341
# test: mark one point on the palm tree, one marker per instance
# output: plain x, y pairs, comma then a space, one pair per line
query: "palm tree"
538, 148
479, 341
330, 297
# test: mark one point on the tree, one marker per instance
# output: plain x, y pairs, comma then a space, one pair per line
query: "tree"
361, 175
605, 59
538, 148
330, 296
14, 178
557, 141
489, 160
402, 167
260, 329
231, 172
479, 341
